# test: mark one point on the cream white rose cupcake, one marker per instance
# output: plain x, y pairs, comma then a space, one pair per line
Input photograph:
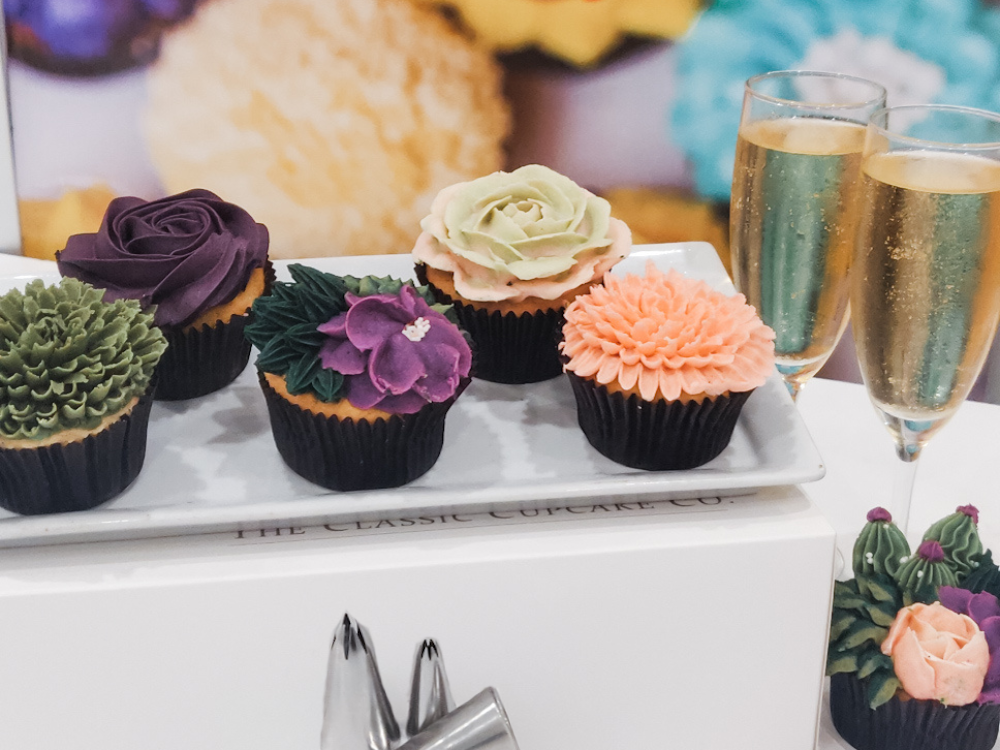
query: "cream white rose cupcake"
510, 251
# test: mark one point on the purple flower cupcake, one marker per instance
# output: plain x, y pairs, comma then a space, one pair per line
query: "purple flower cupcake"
358, 375
200, 261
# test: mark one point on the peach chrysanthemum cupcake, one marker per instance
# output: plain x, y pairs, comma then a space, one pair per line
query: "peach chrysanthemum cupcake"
661, 366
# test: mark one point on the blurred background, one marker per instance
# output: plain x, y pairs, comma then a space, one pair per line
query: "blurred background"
335, 122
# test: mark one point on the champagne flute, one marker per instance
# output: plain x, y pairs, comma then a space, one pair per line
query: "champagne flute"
926, 277
793, 215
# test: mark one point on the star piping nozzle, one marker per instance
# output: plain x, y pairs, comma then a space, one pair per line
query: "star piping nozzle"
356, 712
430, 697
480, 724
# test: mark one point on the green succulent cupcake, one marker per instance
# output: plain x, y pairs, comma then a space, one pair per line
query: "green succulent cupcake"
358, 375
75, 395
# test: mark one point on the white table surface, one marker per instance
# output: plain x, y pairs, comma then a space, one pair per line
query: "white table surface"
957, 467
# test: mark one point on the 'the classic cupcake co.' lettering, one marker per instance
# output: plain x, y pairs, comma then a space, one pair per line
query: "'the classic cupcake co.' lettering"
496, 517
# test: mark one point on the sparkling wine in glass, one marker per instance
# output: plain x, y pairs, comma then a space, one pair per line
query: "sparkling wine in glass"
926, 276
794, 212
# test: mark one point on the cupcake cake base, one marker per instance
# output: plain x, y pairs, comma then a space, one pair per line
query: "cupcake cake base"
345, 455
204, 359
909, 724
79, 475
507, 347
658, 435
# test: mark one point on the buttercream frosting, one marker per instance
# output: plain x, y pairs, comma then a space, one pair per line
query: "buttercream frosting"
663, 334
881, 547
380, 343
395, 352
514, 235
958, 536
185, 253
938, 654
925, 570
69, 360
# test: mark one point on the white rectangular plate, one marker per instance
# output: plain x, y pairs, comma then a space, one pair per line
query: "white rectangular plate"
211, 464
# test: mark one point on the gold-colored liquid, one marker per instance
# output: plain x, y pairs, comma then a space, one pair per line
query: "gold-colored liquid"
792, 226
926, 292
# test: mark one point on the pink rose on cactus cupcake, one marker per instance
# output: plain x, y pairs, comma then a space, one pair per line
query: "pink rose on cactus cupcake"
938, 654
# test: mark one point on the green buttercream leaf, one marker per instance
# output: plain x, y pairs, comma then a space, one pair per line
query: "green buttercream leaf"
840, 621
842, 662
283, 325
862, 631
882, 613
68, 359
882, 590
873, 661
984, 576
846, 596
326, 384
882, 685
301, 373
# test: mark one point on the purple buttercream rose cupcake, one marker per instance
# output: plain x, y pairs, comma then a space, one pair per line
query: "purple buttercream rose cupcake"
358, 375
200, 261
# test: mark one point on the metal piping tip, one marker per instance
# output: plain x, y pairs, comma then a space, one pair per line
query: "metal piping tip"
356, 711
430, 696
480, 724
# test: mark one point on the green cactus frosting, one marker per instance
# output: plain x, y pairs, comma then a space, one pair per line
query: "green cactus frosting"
925, 571
959, 538
881, 547
68, 359
284, 325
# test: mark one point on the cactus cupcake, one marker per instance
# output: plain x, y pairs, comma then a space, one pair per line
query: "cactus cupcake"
913, 655
358, 375
75, 396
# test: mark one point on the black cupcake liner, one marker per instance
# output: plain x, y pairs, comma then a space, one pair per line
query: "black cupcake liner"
344, 455
202, 360
206, 359
909, 724
656, 436
507, 347
79, 475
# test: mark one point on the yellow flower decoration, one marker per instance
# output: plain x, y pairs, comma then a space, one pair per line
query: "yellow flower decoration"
578, 31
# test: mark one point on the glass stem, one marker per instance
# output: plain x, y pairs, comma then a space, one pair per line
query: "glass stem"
793, 387
902, 492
